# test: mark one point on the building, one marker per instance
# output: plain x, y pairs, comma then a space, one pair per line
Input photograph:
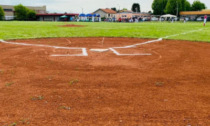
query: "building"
195, 15
105, 13
56, 16
127, 14
124, 14
10, 11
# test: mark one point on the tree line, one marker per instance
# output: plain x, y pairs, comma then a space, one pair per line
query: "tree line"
161, 7
22, 13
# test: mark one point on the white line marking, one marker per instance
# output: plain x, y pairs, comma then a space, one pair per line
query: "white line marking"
124, 47
143, 54
152, 41
39, 45
99, 50
132, 46
114, 51
139, 54
183, 33
84, 51
63, 55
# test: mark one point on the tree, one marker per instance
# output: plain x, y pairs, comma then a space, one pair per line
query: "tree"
31, 15
136, 7
1, 13
197, 6
181, 6
114, 9
171, 7
158, 6
150, 12
23, 13
188, 6
174, 6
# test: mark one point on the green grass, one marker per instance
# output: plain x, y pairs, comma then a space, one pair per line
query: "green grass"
23, 30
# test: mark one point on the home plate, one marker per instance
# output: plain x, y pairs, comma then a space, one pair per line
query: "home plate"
99, 50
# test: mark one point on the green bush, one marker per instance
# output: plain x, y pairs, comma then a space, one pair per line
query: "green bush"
103, 18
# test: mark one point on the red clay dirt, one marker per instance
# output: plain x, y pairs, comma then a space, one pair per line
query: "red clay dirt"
169, 88
71, 25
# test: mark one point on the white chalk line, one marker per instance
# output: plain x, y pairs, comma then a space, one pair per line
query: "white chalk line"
183, 33
66, 55
84, 53
118, 54
148, 42
84, 50
132, 46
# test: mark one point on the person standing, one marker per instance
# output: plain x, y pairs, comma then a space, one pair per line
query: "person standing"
184, 20
205, 19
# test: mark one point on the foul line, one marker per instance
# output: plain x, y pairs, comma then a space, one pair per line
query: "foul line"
132, 46
183, 33
148, 42
113, 49
84, 50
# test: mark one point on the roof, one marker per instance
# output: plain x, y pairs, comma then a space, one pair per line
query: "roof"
57, 14
141, 13
203, 12
30, 7
206, 10
126, 11
109, 11
168, 15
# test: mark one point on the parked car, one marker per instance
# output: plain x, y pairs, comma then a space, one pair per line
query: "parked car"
154, 19
187, 18
200, 19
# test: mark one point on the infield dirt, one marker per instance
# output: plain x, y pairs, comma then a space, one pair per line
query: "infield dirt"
169, 88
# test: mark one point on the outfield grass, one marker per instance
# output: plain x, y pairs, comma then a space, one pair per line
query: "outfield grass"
23, 30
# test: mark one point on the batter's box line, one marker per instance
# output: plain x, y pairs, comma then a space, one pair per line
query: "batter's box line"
119, 54
133, 46
84, 53
84, 50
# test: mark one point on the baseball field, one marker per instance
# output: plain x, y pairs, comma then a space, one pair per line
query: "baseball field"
104, 74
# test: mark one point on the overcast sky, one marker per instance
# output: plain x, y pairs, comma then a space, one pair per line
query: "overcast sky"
87, 5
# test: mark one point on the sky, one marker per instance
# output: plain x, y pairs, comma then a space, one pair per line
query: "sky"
87, 6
